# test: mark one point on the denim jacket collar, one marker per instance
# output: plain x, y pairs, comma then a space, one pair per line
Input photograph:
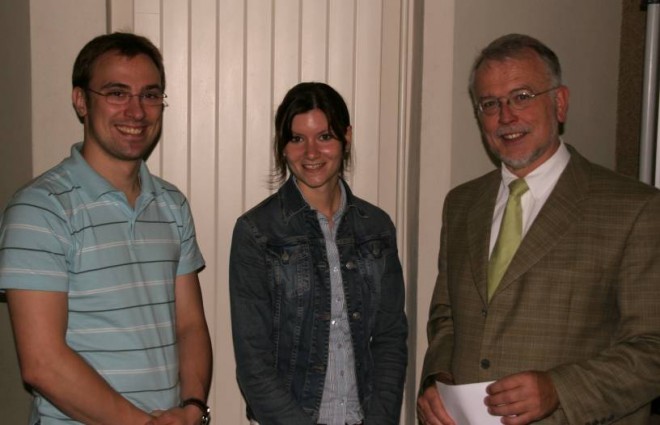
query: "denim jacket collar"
292, 202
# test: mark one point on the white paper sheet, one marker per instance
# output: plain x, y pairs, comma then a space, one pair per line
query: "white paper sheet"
465, 403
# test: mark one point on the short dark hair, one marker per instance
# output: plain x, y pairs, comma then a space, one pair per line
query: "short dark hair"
515, 46
302, 98
126, 44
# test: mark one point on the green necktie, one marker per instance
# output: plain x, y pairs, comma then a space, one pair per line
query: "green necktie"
509, 237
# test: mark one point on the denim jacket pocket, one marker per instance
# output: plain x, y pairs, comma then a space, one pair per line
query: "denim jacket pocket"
373, 253
291, 267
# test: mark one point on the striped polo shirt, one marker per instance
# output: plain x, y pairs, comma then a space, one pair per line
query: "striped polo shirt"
70, 231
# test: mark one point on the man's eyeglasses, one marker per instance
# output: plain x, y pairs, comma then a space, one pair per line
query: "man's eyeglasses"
516, 100
123, 97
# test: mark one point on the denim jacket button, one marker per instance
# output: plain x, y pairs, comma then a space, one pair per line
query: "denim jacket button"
350, 265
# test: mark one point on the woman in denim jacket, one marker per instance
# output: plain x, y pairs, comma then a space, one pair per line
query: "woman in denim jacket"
316, 287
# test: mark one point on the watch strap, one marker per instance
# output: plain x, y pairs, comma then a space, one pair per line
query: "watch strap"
206, 410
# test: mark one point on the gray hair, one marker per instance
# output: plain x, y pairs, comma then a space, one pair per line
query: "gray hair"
516, 46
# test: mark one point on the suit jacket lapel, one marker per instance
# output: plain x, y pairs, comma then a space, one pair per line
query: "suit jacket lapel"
555, 219
480, 217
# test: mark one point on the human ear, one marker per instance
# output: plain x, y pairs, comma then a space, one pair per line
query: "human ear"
561, 103
349, 139
79, 101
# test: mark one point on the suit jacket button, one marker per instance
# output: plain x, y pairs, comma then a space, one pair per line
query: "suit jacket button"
356, 315
484, 312
485, 363
351, 265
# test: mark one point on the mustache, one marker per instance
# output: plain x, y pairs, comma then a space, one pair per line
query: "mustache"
501, 131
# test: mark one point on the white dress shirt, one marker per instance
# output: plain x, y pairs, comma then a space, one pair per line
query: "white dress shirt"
541, 181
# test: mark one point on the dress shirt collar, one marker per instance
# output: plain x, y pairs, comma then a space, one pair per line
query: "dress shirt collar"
543, 179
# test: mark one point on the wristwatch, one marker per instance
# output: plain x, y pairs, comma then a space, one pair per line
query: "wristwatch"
206, 410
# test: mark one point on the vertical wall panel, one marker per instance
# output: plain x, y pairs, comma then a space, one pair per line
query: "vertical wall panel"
230, 194
121, 14
341, 66
390, 136
146, 18
174, 145
203, 155
314, 40
286, 55
341, 54
203, 83
397, 164
258, 94
435, 158
367, 99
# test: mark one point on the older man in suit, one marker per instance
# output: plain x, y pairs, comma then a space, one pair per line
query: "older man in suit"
549, 268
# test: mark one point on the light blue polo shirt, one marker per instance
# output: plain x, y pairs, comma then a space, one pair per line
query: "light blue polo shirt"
69, 230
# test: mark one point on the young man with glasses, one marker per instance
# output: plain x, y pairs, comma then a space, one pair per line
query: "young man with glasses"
99, 261
548, 269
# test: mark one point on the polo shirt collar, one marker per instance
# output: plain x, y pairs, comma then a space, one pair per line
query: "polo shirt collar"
94, 184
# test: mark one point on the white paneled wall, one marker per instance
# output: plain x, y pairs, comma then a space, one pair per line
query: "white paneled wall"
229, 64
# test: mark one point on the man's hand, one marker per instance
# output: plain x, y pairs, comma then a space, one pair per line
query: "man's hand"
431, 410
176, 416
522, 398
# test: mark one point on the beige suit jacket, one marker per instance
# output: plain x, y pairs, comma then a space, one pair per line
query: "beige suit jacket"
581, 298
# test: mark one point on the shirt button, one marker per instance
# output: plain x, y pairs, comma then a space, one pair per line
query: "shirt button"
485, 363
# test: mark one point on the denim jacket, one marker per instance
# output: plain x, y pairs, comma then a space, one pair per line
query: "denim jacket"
280, 307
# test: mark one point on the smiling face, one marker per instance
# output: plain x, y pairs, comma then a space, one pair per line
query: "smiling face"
314, 155
119, 132
521, 139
